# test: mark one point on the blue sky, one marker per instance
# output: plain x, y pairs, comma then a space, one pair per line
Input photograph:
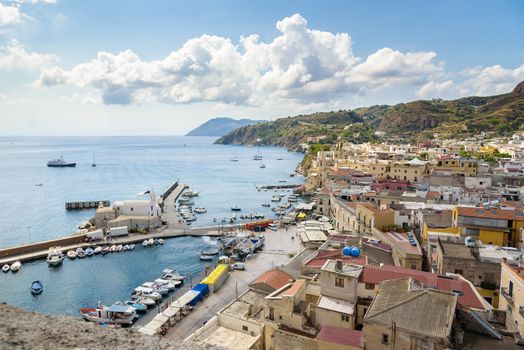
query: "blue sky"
163, 67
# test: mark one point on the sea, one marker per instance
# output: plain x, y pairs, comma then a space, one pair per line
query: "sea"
33, 196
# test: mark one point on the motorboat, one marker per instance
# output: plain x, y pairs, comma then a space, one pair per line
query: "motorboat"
125, 248
259, 216
145, 243
234, 159
267, 205
105, 250
275, 199
139, 307
144, 301
119, 248
121, 314
97, 250
165, 283
80, 252
147, 292
280, 158
89, 251
155, 287
211, 251
204, 257
236, 208
191, 193
6, 268
173, 275
16, 266
262, 165
37, 287
200, 210
71, 254
155, 241
112, 249
151, 241
131, 246
55, 256
60, 163
160, 241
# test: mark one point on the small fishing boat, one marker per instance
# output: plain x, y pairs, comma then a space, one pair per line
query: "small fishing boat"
125, 248
165, 283
119, 248
262, 165
71, 254
155, 241
144, 301
37, 287
156, 288
141, 291
160, 241
112, 249
6, 268
139, 307
131, 246
145, 243
55, 256
151, 241
97, 250
80, 252
121, 314
234, 159
16, 266
173, 275
39, 185
211, 251
236, 208
266, 205
206, 257
200, 210
89, 251
105, 250
279, 158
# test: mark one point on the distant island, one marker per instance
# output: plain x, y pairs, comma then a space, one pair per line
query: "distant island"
221, 126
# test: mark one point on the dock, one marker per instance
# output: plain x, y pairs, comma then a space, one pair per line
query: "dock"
278, 187
86, 205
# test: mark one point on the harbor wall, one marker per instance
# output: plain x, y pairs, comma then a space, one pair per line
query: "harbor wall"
44, 245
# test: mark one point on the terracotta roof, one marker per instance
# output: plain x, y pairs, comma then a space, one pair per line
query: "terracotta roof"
492, 213
295, 288
375, 274
340, 172
433, 194
319, 262
343, 336
276, 278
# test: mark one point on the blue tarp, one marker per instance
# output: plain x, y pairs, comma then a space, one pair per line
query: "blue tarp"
202, 289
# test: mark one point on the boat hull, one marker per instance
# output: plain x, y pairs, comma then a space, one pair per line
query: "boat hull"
67, 165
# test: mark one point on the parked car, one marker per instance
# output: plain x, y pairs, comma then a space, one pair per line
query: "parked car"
259, 229
272, 227
238, 266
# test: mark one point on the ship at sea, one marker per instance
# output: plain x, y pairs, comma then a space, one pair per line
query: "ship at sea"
60, 163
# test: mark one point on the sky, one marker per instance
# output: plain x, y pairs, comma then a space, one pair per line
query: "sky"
164, 67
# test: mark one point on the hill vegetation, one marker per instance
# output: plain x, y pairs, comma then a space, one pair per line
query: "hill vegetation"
220, 126
498, 115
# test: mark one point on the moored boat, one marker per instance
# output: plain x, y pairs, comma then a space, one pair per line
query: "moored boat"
80, 252
139, 307
236, 208
6, 268
204, 257
55, 256
112, 249
172, 275
145, 243
71, 254
160, 241
16, 266
125, 248
119, 248
97, 250
37, 287
89, 251
121, 314
131, 246
200, 210
105, 250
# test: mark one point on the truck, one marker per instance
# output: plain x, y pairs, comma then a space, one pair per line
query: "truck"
118, 231
95, 235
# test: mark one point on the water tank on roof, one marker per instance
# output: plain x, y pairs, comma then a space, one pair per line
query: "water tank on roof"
355, 251
346, 251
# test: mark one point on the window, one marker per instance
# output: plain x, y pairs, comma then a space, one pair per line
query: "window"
370, 286
413, 266
385, 339
459, 272
244, 328
131, 209
271, 315
339, 282
510, 289
345, 318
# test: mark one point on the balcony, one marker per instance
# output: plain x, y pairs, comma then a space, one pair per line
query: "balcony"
506, 295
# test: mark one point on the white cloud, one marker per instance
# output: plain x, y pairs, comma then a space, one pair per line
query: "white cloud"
9, 14
435, 89
35, 1
14, 56
491, 80
301, 65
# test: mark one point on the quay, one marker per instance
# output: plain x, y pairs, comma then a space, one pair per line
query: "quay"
278, 187
170, 195
86, 205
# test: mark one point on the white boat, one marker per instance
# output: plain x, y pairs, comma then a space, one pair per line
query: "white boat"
200, 210
145, 243
16, 266
262, 165
173, 275
6, 268
71, 254
258, 155
234, 159
125, 248
155, 241
80, 252
146, 301
147, 292
191, 193
151, 241
275, 199
266, 205
112, 249
89, 251
131, 246
121, 314
98, 250
119, 248
156, 288
165, 283
160, 241
55, 256
236, 208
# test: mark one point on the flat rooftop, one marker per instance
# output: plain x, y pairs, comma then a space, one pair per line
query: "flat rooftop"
349, 270
226, 338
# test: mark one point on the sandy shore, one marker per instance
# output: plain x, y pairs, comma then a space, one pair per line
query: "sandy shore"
275, 253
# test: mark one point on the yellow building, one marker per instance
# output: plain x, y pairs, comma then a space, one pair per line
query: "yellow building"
512, 297
433, 233
411, 171
488, 149
498, 226
370, 217
465, 167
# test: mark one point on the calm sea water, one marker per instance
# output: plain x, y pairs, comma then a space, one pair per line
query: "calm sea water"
126, 166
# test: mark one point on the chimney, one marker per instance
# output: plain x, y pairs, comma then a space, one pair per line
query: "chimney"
338, 265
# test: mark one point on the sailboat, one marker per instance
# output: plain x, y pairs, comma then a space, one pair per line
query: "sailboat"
262, 165
234, 159
258, 155
94, 162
